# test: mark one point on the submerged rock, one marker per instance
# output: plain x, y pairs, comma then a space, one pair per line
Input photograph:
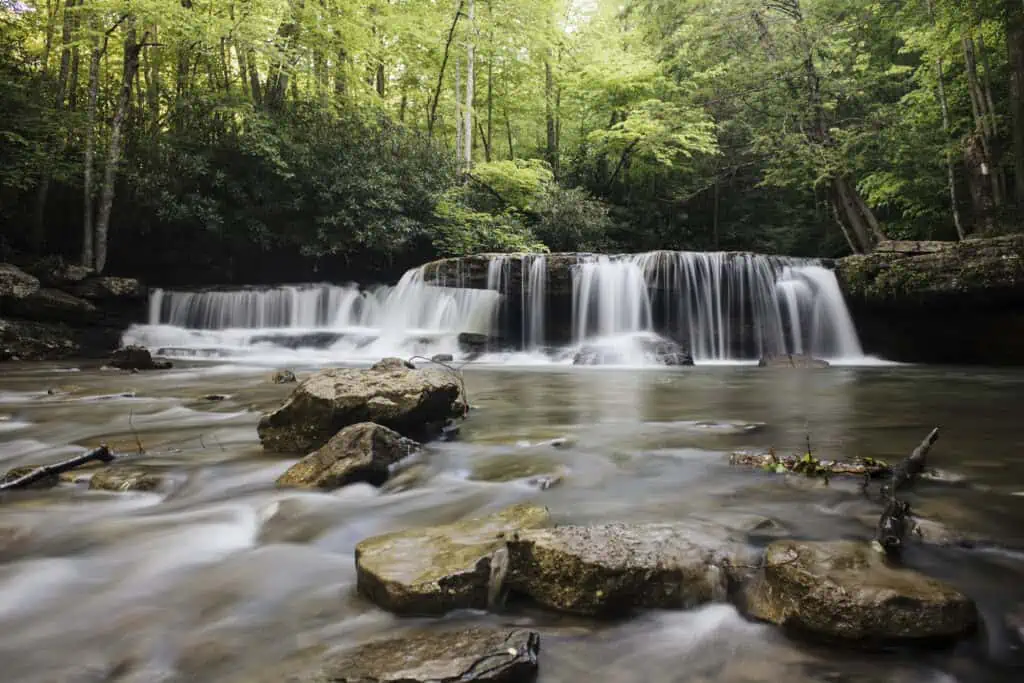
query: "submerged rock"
136, 358
655, 350
473, 654
845, 591
786, 360
610, 569
125, 478
389, 393
437, 569
360, 452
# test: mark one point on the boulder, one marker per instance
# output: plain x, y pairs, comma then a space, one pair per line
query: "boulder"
361, 452
390, 394
22, 340
791, 360
15, 284
54, 272
485, 653
136, 358
846, 591
53, 305
437, 569
105, 288
284, 377
610, 569
125, 478
473, 342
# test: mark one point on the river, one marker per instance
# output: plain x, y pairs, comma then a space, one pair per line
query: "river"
222, 578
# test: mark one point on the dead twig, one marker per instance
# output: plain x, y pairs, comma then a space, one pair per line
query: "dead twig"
101, 454
138, 440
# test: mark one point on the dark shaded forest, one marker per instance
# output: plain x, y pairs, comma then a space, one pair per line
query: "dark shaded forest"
234, 141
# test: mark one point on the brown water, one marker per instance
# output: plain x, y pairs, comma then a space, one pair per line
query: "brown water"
224, 578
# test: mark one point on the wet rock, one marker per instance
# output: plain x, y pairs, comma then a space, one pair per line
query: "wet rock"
472, 654
53, 305
21, 340
610, 569
386, 364
437, 569
19, 472
442, 358
15, 284
538, 471
408, 478
361, 452
389, 394
215, 397
655, 350
53, 272
785, 360
475, 343
136, 358
125, 478
845, 591
106, 288
284, 377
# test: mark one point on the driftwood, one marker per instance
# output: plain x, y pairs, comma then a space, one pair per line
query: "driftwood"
101, 454
904, 474
810, 466
896, 519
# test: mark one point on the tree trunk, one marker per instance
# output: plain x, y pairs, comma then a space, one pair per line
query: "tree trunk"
52, 8
131, 66
339, 74
551, 151
88, 254
508, 131
995, 150
467, 142
379, 79
76, 62
458, 111
254, 79
851, 214
488, 135
979, 183
432, 116
37, 235
1015, 48
982, 122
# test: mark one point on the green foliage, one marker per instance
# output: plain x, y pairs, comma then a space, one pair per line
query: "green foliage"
464, 231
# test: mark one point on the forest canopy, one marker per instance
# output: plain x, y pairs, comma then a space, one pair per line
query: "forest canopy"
233, 140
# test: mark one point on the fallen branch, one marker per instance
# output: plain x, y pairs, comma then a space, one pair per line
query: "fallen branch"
101, 454
904, 474
809, 466
893, 526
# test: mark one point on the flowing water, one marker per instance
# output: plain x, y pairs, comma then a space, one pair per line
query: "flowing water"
223, 578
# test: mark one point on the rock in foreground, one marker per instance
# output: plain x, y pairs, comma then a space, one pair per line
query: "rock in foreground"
845, 591
611, 569
390, 393
473, 654
795, 360
359, 453
442, 568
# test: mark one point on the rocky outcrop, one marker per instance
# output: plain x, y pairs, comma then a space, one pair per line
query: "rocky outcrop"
412, 402
442, 568
472, 654
940, 302
362, 452
791, 360
51, 311
845, 591
611, 569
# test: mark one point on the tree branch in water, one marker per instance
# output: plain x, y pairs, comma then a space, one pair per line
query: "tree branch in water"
101, 454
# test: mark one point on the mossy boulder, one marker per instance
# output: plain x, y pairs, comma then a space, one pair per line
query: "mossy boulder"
437, 656
410, 401
361, 452
126, 478
846, 591
610, 569
437, 569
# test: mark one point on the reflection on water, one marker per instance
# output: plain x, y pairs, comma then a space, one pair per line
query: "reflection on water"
224, 578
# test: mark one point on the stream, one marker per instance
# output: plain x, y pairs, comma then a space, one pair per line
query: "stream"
221, 577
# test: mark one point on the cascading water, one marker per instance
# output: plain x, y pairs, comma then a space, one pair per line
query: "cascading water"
533, 297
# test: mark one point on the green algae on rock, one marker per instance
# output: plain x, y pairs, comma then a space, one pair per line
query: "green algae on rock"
610, 569
846, 591
360, 452
437, 656
437, 569
389, 393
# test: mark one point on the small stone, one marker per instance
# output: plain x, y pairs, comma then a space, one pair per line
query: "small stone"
283, 377
442, 358
359, 453
845, 591
467, 655
436, 569
610, 569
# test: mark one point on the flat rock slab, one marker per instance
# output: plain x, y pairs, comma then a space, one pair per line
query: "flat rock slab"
464, 656
610, 569
846, 591
437, 569
361, 452
125, 478
390, 394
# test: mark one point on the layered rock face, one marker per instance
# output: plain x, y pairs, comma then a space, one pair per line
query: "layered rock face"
53, 311
942, 302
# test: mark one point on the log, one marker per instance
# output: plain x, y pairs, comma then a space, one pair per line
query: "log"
904, 474
809, 466
102, 454
893, 526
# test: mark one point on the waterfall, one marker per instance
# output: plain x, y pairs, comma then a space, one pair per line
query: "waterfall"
533, 296
723, 306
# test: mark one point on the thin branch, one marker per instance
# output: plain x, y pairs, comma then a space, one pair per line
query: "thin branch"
101, 454
440, 76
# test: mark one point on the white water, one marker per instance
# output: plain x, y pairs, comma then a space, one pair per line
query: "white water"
723, 307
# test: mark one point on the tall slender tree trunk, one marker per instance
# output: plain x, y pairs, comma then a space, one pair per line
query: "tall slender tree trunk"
551, 150
1015, 48
467, 142
132, 48
37, 234
944, 106
983, 123
458, 111
488, 135
432, 114
52, 9
76, 62
254, 79
88, 258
